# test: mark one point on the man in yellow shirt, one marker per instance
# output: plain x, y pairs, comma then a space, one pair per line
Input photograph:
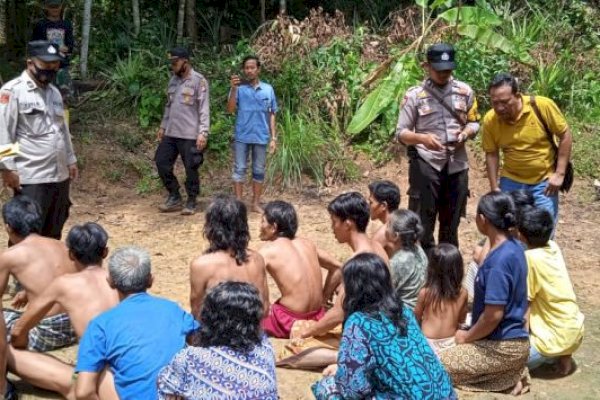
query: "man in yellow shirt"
555, 322
528, 156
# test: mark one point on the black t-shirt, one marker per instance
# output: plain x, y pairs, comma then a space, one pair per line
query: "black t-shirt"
57, 32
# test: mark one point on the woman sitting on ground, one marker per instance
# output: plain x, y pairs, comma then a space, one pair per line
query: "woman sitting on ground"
522, 198
408, 265
492, 354
383, 353
230, 356
442, 303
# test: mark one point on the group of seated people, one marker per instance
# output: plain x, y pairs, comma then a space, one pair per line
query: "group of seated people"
403, 323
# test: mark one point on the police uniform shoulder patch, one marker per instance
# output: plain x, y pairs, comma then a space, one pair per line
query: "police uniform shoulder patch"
461, 87
4, 96
404, 100
422, 94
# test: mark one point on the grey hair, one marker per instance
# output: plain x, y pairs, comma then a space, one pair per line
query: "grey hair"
130, 269
406, 226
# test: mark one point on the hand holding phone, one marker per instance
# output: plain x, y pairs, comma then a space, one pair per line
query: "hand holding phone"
235, 81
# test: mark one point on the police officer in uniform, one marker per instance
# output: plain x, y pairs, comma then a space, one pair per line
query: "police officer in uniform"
183, 132
32, 115
436, 119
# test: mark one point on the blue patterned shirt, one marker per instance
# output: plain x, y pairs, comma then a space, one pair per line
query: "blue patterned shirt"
376, 362
211, 373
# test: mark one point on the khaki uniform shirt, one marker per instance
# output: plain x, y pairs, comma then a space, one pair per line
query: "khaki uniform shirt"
187, 112
422, 113
34, 117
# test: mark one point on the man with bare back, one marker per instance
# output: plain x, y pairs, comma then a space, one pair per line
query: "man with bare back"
84, 295
349, 214
384, 199
227, 257
35, 261
295, 264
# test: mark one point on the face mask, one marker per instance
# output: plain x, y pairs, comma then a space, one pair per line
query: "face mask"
44, 76
181, 72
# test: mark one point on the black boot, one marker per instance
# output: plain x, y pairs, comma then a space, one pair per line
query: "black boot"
190, 206
173, 203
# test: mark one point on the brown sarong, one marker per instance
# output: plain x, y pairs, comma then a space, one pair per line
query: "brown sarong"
488, 365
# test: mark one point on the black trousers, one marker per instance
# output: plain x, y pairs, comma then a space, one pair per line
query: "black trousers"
437, 195
54, 202
166, 155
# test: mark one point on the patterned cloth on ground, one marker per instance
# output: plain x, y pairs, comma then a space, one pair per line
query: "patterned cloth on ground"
51, 333
310, 353
221, 373
439, 345
488, 365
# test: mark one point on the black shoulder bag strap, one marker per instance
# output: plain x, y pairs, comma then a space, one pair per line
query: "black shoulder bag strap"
537, 112
569, 173
452, 111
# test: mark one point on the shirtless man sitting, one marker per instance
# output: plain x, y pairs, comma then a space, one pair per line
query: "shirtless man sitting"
35, 261
84, 295
349, 214
384, 199
228, 257
295, 265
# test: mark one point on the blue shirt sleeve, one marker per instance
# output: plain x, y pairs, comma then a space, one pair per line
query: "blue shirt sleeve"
189, 324
497, 291
355, 362
91, 356
274, 107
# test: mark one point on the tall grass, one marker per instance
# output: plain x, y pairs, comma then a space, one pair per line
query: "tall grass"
306, 147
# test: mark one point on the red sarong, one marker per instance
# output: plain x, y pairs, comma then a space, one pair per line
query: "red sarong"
280, 320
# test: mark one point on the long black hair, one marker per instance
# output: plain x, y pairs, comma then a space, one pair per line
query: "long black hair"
226, 227
444, 275
368, 287
230, 317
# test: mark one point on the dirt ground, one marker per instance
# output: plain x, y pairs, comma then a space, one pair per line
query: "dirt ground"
174, 241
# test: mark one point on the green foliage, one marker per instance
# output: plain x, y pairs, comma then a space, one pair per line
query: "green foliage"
321, 94
404, 74
305, 146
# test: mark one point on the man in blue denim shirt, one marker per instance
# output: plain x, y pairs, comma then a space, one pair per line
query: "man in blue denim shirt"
256, 106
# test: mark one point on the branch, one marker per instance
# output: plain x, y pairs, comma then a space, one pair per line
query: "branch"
383, 67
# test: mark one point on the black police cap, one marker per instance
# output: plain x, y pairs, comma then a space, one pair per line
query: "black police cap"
178, 52
44, 50
441, 57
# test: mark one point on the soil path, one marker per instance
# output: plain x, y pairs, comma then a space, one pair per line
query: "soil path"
174, 241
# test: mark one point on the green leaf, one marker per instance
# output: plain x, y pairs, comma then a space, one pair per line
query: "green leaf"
471, 16
387, 91
422, 3
439, 3
486, 37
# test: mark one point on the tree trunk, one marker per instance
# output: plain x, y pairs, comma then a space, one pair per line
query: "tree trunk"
3, 26
263, 15
192, 27
85, 37
135, 8
282, 7
180, 19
